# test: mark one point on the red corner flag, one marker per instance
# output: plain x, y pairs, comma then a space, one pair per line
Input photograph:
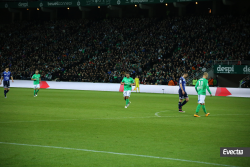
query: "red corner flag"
121, 88
44, 85
222, 92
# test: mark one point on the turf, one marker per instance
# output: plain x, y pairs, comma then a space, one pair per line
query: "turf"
98, 121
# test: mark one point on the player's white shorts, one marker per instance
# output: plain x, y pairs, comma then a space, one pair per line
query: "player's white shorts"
126, 93
37, 86
201, 98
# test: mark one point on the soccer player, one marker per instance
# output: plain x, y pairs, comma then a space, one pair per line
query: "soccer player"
128, 82
182, 93
201, 87
6, 75
137, 84
37, 79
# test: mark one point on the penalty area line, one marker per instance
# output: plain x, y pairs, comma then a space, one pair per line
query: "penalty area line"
117, 153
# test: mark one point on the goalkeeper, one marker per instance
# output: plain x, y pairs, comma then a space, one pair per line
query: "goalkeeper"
137, 84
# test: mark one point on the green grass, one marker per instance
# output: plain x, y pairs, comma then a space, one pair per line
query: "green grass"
98, 121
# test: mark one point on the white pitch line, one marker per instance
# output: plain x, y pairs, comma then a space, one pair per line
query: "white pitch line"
117, 153
211, 115
157, 113
227, 114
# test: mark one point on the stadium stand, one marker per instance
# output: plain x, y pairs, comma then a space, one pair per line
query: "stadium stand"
101, 50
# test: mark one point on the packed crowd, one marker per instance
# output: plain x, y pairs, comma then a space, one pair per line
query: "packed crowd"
157, 50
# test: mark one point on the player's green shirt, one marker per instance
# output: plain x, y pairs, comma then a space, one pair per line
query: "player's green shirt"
127, 82
202, 86
37, 77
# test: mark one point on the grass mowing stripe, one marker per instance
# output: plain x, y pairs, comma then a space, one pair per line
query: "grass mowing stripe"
116, 153
120, 118
89, 119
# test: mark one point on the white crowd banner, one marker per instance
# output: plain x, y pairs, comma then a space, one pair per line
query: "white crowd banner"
217, 91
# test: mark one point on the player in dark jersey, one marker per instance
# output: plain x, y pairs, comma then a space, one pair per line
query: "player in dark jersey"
182, 92
6, 75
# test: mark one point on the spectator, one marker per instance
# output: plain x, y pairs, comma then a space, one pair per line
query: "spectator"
194, 81
242, 82
175, 82
171, 83
193, 69
204, 69
215, 82
210, 82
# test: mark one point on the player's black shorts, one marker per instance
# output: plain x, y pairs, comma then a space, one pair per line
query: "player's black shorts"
6, 84
182, 96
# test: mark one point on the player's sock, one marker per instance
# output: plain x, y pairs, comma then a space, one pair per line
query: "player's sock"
184, 103
127, 101
198, 108
5, 93
37, 91
204, 109
179, 106
34, 92
139, 89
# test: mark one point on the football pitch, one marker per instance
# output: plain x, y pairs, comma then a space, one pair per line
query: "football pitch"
93, 129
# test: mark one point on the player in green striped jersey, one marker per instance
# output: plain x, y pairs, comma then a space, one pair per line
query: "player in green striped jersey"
37, 79
128, 82
201, 88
